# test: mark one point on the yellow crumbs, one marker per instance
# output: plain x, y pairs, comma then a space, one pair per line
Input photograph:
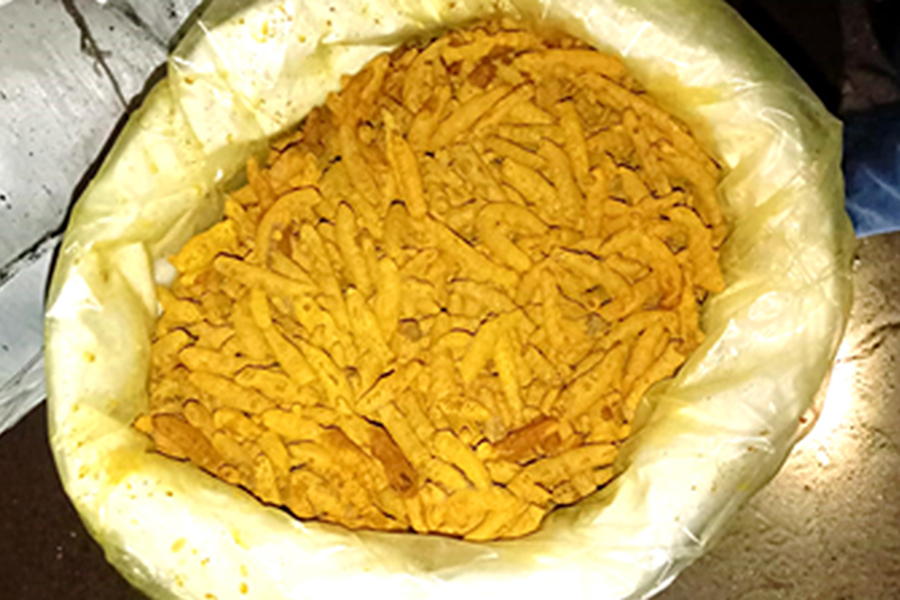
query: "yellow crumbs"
437, 305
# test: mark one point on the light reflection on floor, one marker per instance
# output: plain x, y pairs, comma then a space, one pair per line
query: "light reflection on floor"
828, 525
827, 437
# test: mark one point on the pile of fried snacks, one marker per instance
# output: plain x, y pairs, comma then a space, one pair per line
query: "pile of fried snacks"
437, 305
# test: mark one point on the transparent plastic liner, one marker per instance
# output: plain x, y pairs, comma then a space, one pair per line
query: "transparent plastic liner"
706, 440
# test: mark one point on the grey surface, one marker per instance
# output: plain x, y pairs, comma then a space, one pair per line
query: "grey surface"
69, 69
21, 334
47, 143
46, 147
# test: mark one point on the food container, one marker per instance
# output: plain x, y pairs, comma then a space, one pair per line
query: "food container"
705, 441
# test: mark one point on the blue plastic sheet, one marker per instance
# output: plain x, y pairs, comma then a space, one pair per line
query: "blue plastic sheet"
872, 170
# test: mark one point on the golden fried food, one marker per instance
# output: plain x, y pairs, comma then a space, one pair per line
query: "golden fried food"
437, 304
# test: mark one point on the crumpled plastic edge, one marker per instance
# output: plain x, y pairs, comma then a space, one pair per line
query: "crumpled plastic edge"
708, 439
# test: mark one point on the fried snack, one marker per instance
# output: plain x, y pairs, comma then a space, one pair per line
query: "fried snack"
437, 304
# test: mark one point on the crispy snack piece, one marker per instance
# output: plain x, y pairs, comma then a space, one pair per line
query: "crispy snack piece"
437, 305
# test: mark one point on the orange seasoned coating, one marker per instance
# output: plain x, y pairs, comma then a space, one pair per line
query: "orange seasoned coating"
437, 304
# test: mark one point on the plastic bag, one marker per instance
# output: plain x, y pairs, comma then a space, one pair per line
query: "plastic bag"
706, 441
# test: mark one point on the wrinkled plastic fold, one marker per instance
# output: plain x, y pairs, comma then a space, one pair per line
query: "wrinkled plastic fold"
706, 441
